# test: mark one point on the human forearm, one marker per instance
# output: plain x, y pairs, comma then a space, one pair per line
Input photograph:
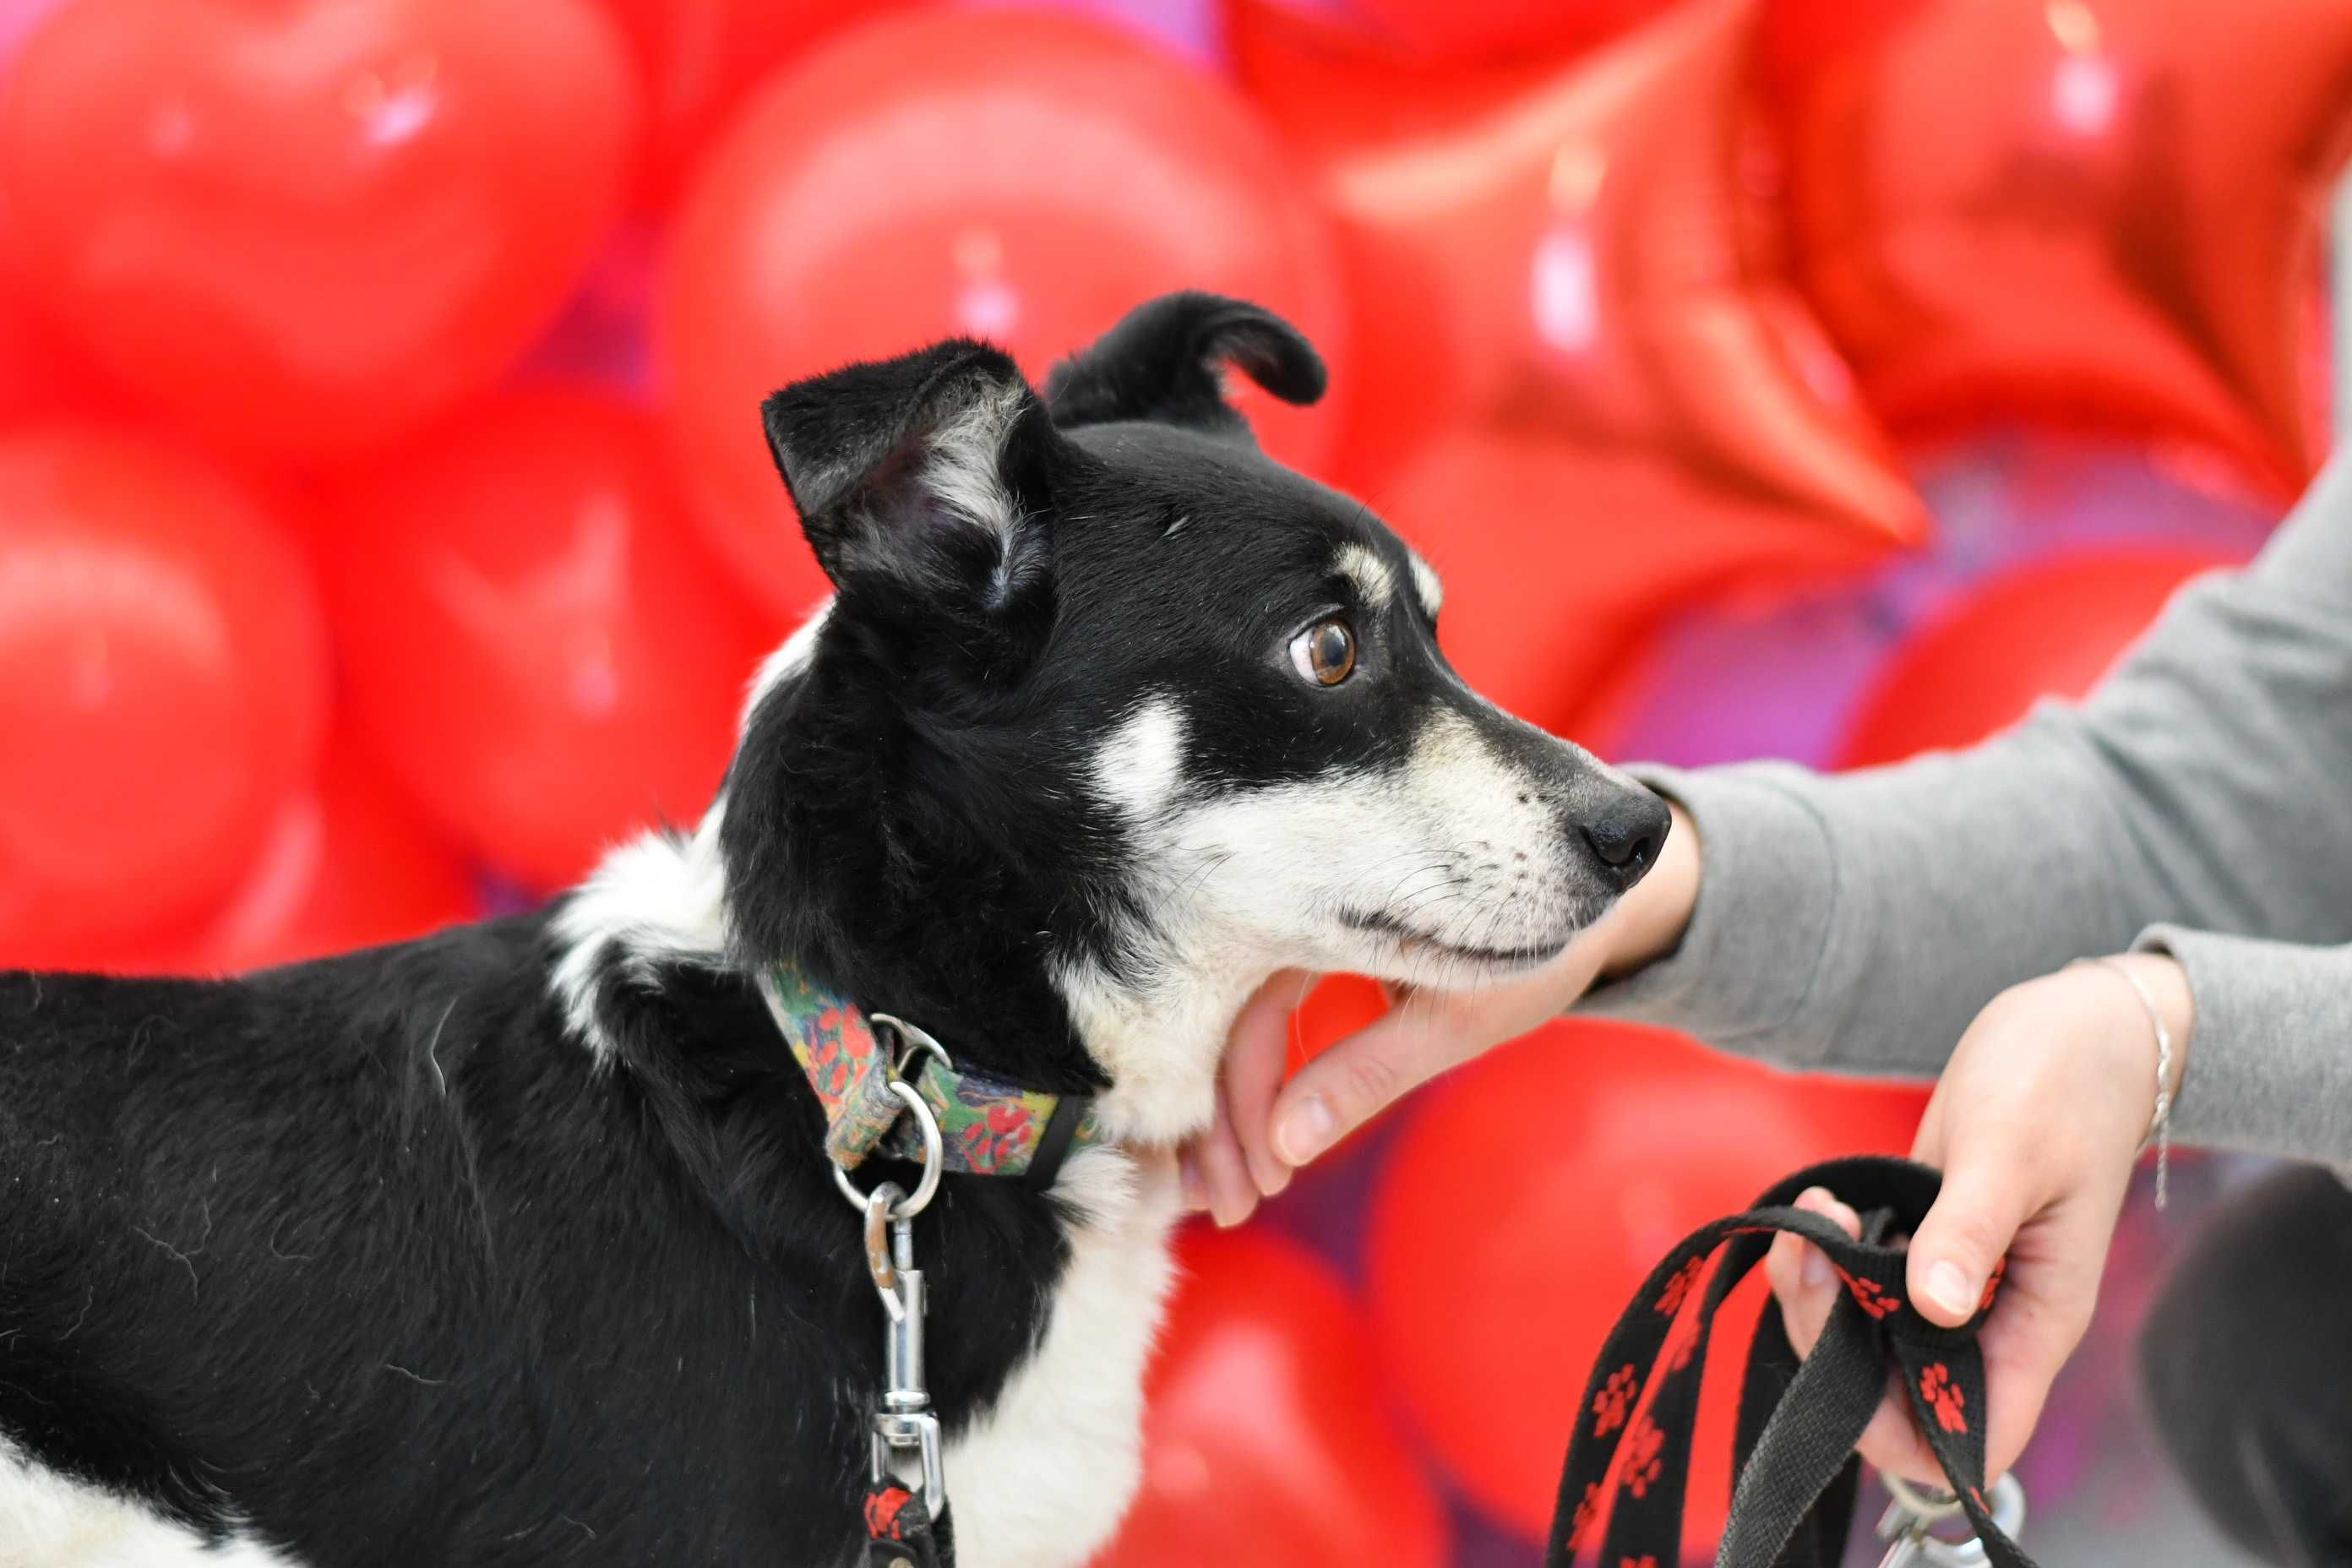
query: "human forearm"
1859, 920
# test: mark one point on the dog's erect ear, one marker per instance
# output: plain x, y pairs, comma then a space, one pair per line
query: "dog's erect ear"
928, 470
1161, 361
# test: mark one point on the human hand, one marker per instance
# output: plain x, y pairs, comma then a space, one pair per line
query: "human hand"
2036, 1124
1265, 1130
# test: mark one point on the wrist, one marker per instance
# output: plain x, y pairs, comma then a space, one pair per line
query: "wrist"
1650, 921
2163, 988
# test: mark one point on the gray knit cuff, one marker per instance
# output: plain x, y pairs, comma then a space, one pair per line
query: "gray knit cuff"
1749, 958
2270, 1057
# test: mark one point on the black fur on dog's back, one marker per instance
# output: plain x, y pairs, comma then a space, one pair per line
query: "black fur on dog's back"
286, 1241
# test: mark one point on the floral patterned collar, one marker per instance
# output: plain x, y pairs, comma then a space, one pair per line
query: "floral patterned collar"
989, 1126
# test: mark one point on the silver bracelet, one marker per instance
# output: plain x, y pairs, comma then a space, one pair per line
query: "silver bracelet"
2159, 1126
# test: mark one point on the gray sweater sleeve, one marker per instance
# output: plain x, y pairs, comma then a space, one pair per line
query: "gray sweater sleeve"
2200, 802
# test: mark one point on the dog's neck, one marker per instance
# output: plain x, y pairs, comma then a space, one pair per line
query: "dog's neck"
1147, 1051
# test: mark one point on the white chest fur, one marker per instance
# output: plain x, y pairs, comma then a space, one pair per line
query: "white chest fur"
1042, 1479
48, 1520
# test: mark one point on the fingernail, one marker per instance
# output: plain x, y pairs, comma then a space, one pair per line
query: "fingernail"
1306, 1132
1816, 1271
1949, 1288
1281, 1179
1188, 1180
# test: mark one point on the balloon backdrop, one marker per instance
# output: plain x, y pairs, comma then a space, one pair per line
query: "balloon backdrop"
2073, 210
348, 864
303, 228
2045, 630
534, 643
697, 60
1574, 254
1449, 29
1266, 1443
162, 688
1554, 560
1020, 176
1528, 1198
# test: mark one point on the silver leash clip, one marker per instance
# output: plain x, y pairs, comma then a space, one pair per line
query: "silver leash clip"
1910, 1520
906, 1442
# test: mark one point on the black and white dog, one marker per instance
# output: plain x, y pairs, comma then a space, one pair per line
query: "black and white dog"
519, 1244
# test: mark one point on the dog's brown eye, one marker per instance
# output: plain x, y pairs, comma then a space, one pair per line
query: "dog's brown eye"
1324, 653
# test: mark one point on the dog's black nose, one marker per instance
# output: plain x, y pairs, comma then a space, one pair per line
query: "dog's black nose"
1626, 836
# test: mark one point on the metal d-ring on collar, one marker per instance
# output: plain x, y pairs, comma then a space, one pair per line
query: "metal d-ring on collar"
913, 1042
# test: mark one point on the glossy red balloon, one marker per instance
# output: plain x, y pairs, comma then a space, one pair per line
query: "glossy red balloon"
1529, 1196
698, 58
1448, 29
2102, 212
1583, 254
304, 225
40, 376
2050, 629
1555, 558
1266, 1443
162, 688
1020, 176
348, 864
533, 641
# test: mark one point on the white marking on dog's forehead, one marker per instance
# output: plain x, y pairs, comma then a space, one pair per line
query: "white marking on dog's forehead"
1141, 766
1370, 574
1426, 585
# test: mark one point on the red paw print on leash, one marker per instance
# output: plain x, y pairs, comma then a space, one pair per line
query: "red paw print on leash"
1611, 1406
1943, 1396
1679, 1287
1642, 1463
1875, 1299
1642, 1562
1588, 1512
1992, 1286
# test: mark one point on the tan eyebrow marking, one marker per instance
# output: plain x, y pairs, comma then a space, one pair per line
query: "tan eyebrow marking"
1370, 573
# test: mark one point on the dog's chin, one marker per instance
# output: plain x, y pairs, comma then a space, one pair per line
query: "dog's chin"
1401, 954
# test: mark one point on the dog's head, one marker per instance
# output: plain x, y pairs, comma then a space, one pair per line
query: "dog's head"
1112, 715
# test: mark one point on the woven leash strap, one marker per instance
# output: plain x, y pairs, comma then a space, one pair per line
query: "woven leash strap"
1799, 1420
901, 1534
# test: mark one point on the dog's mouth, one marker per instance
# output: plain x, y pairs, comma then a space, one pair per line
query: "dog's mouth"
1421, 943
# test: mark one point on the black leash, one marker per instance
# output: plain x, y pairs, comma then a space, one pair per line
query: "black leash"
1798, 1479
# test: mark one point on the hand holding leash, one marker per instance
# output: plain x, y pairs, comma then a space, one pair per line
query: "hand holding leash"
1799, 1418
2036, 1124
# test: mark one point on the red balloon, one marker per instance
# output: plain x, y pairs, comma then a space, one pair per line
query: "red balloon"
40, 377
1447, 29
534, 642
1338, 1006
1577, 255
698, 58
305, 227
348, 864
2045, 630
1022, 177
162, 688
1266, 1444
2102, 212
1556, 558
1537, 1187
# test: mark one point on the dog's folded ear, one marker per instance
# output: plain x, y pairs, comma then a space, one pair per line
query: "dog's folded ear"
1161, 361
930, 472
